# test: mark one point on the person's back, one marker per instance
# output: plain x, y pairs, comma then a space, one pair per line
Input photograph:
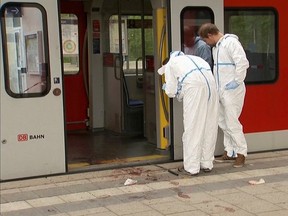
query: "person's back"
188, 69
189, 78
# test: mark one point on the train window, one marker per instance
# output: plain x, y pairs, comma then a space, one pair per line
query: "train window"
70, 43
114, 35
24, 41
132, 40
191, 19
257, 31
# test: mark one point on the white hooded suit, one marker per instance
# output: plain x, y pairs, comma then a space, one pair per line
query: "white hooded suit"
230, 68
189, 78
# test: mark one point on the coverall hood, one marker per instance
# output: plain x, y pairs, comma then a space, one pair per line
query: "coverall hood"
222, 40
173, 54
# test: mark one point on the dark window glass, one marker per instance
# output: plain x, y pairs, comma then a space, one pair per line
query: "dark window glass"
192, 18
257, 31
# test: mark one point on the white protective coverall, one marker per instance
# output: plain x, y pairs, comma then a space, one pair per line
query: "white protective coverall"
230, 68
189, 78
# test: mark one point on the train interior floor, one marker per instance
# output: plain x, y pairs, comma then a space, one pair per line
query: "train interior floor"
104, 149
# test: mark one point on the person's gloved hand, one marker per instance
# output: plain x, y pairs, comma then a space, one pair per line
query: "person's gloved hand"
231, 85
164, 86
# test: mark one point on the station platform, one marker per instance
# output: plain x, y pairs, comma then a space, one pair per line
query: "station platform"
259, 188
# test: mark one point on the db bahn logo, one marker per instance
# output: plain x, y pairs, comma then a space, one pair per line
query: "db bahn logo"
22, 137
26, 137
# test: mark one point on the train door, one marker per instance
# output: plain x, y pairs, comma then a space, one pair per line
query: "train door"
126, 65
32, 120
122, 116
73, 26
190, 13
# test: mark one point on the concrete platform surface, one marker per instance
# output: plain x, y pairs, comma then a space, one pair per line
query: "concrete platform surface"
156, 192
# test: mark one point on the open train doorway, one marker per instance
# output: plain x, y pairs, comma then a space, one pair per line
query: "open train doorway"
110, 79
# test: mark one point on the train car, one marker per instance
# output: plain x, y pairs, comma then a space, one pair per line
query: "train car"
80, 89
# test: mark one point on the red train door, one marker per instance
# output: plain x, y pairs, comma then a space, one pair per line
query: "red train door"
73, 24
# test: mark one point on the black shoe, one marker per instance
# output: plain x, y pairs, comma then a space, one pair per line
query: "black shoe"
183, 171
206, 170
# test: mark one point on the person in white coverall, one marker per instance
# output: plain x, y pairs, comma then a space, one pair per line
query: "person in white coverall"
230, 68
189, 79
